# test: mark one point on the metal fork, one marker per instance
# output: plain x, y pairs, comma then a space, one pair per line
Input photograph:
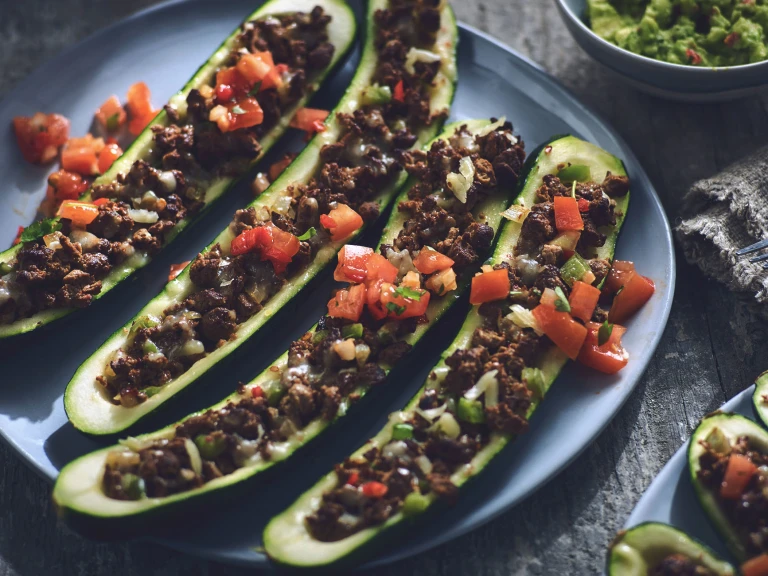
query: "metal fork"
754, 248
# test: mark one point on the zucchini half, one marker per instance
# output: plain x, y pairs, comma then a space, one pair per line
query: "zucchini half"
341, 32
637, 551
78, 496
87, 406
286, 538
730, 427
760, 398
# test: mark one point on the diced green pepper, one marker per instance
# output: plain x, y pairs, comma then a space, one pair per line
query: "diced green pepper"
210, 445
319, 336
376, 95
575, 173
5, 268
574, 269
133, 486
149, 347
402, 431
471, 411
273, 391
604, 333
352, 331
561, 301
534, 378
415, 503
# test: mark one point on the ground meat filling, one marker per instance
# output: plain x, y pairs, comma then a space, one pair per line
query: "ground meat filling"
320, 378
371, 152
488, 388
749, 512
679, 565
65, 269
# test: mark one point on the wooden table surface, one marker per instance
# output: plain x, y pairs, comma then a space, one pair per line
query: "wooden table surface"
711, 349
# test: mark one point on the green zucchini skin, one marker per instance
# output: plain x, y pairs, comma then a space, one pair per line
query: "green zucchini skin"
342, 31
286, 539
87, 408
636, 551
77, 494
760, 398
733, 426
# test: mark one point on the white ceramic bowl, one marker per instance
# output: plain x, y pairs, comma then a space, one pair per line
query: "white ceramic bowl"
673, 81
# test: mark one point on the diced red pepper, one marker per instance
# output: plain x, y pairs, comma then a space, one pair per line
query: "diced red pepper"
583, 300
561, 328
637, 291
429, 261
111, 115
375, 489
567, 215
401, 307
608, 358
342, 221
39, 137
620, 272
353, 479
489, 286
352, 264
257, 392
108, 155
379, 268
176, 269
80, 213
757, 566
310, 120
348, 303
19, 230
399, 93
737, 476
583, 205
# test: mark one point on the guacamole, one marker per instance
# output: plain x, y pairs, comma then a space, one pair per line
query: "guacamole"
693, 32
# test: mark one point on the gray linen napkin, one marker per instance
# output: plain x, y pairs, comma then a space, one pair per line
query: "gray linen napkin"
722, 214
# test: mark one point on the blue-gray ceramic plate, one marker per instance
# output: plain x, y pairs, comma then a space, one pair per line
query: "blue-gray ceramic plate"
674, 81
163, 46
671, 498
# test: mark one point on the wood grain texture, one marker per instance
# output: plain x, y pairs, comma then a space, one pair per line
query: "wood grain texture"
711, 350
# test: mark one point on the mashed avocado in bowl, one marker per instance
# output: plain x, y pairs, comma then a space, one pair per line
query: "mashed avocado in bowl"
707, 33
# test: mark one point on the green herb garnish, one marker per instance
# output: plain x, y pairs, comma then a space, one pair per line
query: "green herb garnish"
394, 308
255, 90
561, 302
604, 333
113, 122
308, 234
39, 229
238, 110
407, 292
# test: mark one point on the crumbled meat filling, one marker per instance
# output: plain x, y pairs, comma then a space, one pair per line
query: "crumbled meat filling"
145, 203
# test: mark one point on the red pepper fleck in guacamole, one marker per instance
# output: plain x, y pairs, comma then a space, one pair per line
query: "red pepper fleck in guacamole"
693, 32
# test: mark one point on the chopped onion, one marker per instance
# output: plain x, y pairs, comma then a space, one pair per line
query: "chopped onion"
134, 443
416, 55
439, 377
460, 182
432, 414
362, 351
143, 216
194, 456
86, 240
449, 426
52, 240
168, 180
345, 349
282, 205
191, 347
516, 213
523, 318
217, 112
511, 137
486, 380
260, 183
123, 458
424, 463
491, 127
394, 449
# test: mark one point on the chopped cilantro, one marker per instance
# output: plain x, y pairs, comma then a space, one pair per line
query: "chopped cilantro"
39, 229
561, 302
308, 234
406, 292
255, 90
392, 307
604, 333
238, 110
112, 122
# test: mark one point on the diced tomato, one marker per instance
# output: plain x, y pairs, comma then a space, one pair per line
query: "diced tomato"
108, 156
373, 300
242, 114
374, 489
138, 100
348, 303
353, 479
399, 306
561, 328
277, 168
100, 201
399, 92
274, 79
583, 205
342, 221
19, 230
310, 120
737, 476
111, 115
274, 244
620, 272
379, 268
232, 78
489, 286
255, 67
80, 213
137, 124
257, 392
67, 185
39, 137
224, 93
429, 261
81, 155
176, 269
637, 291
284, 246
608, 358
352, 264
757, 566
583, 300
567, 215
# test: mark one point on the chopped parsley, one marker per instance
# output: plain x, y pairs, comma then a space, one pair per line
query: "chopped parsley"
394, 308
604, 333
238, 110
308, 234
112, 122
255, 90
39, 229
406, 292
561, 302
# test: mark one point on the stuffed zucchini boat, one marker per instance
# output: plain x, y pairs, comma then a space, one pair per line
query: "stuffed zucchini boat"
193, 151
728, 462
760, 398
491, 379
652, 548
398, 99
429, 249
